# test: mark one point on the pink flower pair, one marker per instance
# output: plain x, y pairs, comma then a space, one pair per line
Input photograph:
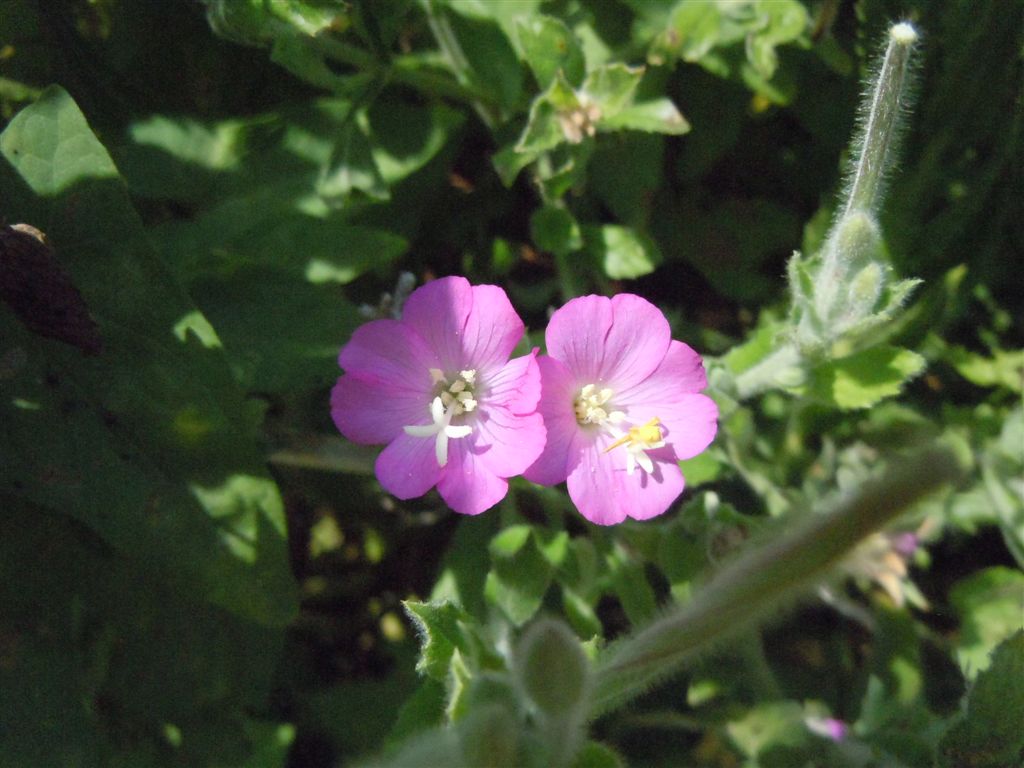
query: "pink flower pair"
610, 409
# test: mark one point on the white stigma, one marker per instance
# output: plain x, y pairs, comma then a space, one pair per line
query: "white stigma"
453, 400
903, 33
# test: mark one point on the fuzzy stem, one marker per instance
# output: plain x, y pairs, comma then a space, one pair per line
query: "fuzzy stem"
764, 578
882, 115
764, 375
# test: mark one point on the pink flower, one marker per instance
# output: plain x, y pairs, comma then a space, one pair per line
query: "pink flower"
621, 405
437, 386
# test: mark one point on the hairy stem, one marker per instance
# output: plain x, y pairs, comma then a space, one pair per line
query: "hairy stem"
765, 578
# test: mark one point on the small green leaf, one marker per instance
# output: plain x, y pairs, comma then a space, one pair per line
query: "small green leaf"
520, 574
552, 667
768, 727
440, 625
596, 755
1003, 369
624, 253
864, 378
549, 47
612, 87
991, 608
546, 127
655, 116
352, 168
989, 734
630, 584
554, 229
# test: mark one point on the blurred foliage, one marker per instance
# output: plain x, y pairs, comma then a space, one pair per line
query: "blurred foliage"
197, 572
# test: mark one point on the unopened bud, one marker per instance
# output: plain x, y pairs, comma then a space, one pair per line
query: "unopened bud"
552, 668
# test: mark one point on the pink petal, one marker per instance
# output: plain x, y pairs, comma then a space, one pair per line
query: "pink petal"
492, 330
636, 343
408, 468
515, 386
389, 352
690, 425
556, 406
689, 420
466, 485
467, 326
373, 412
576, 335
506, 444
606, 494
438, 311
679, 372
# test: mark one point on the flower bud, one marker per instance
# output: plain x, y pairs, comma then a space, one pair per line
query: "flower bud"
552, 668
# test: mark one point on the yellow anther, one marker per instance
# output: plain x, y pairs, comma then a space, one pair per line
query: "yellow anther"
645, 435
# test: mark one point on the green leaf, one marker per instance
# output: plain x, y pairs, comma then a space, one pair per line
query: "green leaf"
1003, 369
624, 253
119, 441
82, 623
520, 574
554, 229
655, 116
352, 168
769, 727
991, 608
596, 755
864, 378
441, 630
406, 137
612, 88
630, 584
296, 346
549, 46
989, 734
492, 65
693, 30
545, 129
255, 21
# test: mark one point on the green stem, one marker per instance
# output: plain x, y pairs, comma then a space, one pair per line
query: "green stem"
765, 578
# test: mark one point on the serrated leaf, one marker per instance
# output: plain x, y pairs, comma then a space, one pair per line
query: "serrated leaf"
624, 253
865, 378
440, 626
549, 47
989, 735
991, 608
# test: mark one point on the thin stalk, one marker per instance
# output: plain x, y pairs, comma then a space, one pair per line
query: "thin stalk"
765, 578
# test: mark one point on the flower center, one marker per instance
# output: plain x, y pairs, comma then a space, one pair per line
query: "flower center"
457, 396
592, 406
450, 400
